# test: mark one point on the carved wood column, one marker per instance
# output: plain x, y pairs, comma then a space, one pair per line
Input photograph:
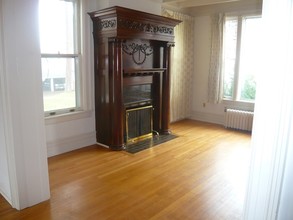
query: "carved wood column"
166, 93
116, 94
157, 102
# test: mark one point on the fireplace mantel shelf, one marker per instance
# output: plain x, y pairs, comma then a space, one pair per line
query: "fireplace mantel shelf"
139, 72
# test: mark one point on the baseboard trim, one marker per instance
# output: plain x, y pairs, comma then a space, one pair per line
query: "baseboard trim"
208, 117
103, 145
69, 144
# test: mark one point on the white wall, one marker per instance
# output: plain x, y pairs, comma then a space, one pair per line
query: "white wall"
76, 131
4, 173
269, 194
24, 127
286, 201
201, 109
150, 6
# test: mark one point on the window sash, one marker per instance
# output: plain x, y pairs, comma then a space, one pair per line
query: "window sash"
246, 84
70, 25
47, 55
70, 91
236, 93
229, 58
75, 55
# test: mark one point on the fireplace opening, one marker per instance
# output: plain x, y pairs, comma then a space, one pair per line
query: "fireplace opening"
139, 111
139, 123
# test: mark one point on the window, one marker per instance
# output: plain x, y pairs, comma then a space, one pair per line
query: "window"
60, 55
240, 57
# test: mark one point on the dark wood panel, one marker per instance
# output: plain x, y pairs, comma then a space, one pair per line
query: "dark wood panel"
117, 114
137, 80
166, 90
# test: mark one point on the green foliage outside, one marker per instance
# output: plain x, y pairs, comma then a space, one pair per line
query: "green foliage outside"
228, 88
248, 89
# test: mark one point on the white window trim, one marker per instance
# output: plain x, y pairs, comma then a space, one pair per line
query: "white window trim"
55, 119
86, 77
249, 106
81, 104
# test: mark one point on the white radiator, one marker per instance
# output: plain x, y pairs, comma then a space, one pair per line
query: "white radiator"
239, 119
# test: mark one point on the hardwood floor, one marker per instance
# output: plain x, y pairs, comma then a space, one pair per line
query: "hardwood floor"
201, 175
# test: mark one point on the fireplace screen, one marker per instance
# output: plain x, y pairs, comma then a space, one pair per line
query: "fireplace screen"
139, 122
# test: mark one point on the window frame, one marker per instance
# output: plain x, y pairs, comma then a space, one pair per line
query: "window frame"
236, 92
77, 56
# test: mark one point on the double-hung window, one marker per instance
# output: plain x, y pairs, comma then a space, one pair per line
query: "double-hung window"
240, 57
60, 55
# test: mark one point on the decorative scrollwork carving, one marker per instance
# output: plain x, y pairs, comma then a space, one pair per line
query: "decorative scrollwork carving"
134, 25
107, 24
171, 44
144, 27
139, 52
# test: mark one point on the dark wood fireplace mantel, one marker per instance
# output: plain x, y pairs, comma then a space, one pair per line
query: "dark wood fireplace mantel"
131, 48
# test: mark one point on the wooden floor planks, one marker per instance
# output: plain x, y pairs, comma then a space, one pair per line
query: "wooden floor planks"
201, 175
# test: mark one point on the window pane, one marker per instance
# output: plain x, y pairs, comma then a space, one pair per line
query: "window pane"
58, 75
229, 56
249, 58
57, 26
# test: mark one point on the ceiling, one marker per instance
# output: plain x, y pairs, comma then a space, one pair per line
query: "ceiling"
209, 6
194, 3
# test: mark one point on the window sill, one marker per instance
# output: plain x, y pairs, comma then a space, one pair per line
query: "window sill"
239, 104
67, 117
